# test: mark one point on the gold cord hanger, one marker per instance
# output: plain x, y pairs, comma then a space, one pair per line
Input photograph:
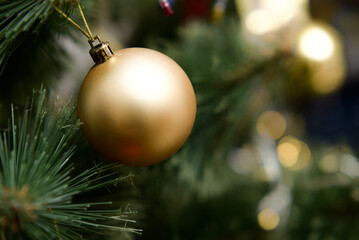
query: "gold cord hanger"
88, 34
100, 53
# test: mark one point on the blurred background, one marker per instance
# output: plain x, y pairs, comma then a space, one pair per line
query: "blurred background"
273, 154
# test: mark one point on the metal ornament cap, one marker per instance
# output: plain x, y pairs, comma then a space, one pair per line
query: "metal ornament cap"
101, 52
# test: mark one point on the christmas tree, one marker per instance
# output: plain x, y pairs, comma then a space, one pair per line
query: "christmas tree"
272, 153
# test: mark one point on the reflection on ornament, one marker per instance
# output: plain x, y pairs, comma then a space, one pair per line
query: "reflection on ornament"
138, 107
268, 219
320, 45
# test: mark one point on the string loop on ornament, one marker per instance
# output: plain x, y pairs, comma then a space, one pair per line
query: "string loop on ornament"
91, 38
88, 34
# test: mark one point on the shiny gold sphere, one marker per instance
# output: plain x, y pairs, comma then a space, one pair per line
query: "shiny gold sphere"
137, 108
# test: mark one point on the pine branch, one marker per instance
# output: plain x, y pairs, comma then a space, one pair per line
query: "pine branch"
21, 17
36, 182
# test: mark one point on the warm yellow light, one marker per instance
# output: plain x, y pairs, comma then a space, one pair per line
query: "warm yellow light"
259, 22
329, 163
276, 5
320, 46
293, 153
304, 158
328, 78
302, 2
316, 44
282, 11
288, 154
268, 219
271, 124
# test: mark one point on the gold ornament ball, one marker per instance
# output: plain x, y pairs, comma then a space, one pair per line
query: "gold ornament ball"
137, 108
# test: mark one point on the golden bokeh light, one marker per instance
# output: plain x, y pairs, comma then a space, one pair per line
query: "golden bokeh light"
320, 45
329, 163
259, 21
264, 17
304, 158
293, 153
328, 78
288, 154
267, 16
282, 11
316, 44
268, 219
271, 124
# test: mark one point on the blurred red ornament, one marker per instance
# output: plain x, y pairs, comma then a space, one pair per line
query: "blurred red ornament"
166, 7
196, 9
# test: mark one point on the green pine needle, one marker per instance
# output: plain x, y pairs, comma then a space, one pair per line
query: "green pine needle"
20, 17
36, 185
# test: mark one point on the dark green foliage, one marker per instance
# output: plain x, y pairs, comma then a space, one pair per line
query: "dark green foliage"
231, 214
22, 17
31, 54
324, 205
36, 181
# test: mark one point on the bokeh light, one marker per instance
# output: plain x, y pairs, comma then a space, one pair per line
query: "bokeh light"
329, 163
268, 16
293, 153
271, 124
316, 44
259, 21
243, 160
349, 165
304, 158
282, 11
268, 219
288, 154
320, 45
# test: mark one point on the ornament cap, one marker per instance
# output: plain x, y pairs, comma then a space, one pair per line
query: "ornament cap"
100, 52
